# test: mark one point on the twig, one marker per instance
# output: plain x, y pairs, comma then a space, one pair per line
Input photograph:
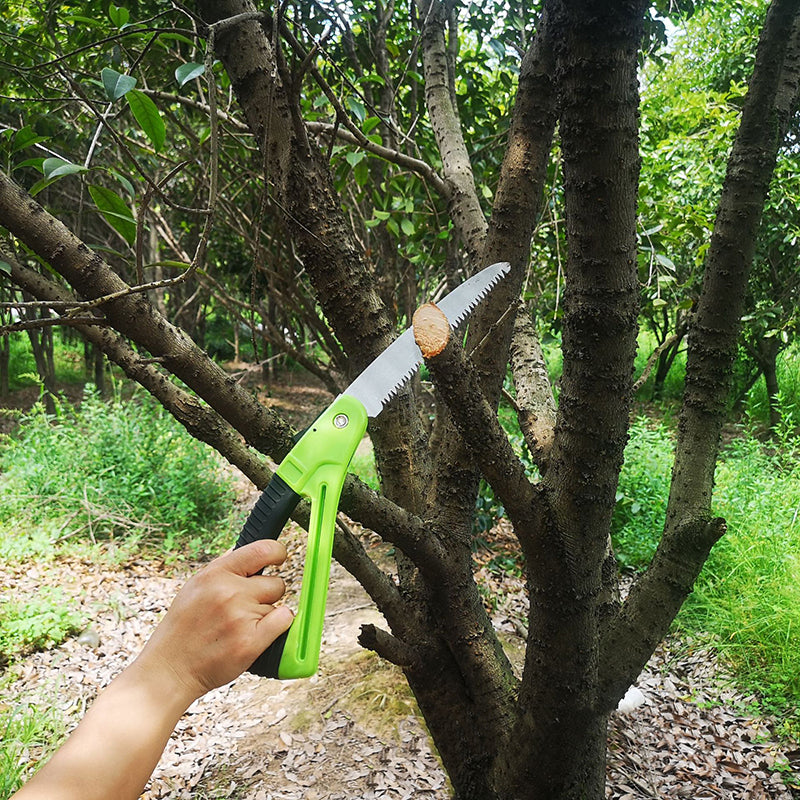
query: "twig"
651, 362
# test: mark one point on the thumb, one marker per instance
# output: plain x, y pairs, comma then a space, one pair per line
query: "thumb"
273, 624
253, 557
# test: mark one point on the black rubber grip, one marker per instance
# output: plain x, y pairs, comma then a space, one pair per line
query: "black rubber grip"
266, 521
270, 513
267, 664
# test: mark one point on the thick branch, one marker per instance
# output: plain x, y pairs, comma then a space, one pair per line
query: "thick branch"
516, 204
135, 317
475, 420
651, 605
465, 208
595, 46
536, 408
715, 329
302, 187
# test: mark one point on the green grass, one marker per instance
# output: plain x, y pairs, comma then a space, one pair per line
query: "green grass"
748, 595
28, 736
123, 468
36, 624
746, 602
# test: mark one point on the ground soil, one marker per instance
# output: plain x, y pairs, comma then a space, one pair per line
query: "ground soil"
353, 730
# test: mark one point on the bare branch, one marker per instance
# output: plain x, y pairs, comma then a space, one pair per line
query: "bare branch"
415, 165
536, 408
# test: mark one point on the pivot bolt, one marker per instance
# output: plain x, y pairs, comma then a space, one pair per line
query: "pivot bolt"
341, 421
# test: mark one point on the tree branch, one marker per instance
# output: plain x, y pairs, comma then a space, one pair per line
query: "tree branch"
689, 530
474, 419
414, 165
465, 208
536, 408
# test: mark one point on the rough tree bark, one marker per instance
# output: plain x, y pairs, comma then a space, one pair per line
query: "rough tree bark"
500, 737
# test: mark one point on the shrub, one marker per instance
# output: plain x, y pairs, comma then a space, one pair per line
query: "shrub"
111, 468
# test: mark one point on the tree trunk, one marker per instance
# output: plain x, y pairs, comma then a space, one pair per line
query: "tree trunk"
42, 347
5, 364
768, 349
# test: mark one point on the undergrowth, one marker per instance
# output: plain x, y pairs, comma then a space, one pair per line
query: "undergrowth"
106, 469
28, 736
746, 601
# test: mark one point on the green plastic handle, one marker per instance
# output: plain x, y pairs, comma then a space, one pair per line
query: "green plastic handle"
316, 468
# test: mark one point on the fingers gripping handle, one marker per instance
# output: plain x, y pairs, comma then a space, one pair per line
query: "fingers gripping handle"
266, 521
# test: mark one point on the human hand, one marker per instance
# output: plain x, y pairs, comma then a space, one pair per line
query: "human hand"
220, 621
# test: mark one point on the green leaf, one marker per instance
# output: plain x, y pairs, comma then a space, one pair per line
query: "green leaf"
370, 124
353, 158
116, 212
148, 117
25, 137
118, 15
116, 84
498, 47
189, 71
58, 168
659, 303
36, 163
407, 226
5, 267
665, 262
127, 185
357, 108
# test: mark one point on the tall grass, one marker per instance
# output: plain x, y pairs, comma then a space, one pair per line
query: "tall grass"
748, 596
110, 469
28, 735
756, 405
746, 602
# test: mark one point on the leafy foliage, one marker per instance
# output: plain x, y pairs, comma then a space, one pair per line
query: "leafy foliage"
124, 468
38, 624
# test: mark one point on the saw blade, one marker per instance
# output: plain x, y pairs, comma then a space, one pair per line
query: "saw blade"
396, 365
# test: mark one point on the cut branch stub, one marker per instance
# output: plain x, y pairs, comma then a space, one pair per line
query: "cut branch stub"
431, 329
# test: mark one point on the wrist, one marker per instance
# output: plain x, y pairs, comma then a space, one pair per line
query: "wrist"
161, 685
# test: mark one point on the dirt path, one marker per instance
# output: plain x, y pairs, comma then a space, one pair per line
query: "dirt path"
351, 731
344, 733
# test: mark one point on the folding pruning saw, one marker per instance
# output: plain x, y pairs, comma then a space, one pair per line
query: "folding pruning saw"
316, 468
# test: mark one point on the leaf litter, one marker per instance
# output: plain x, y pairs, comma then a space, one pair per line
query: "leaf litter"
352, 730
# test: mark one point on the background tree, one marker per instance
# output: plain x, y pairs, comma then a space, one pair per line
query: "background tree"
306, 175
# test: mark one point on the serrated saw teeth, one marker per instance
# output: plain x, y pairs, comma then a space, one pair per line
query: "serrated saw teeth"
379, 382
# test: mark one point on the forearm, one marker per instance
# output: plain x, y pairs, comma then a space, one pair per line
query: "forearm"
115, 748
219, 623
